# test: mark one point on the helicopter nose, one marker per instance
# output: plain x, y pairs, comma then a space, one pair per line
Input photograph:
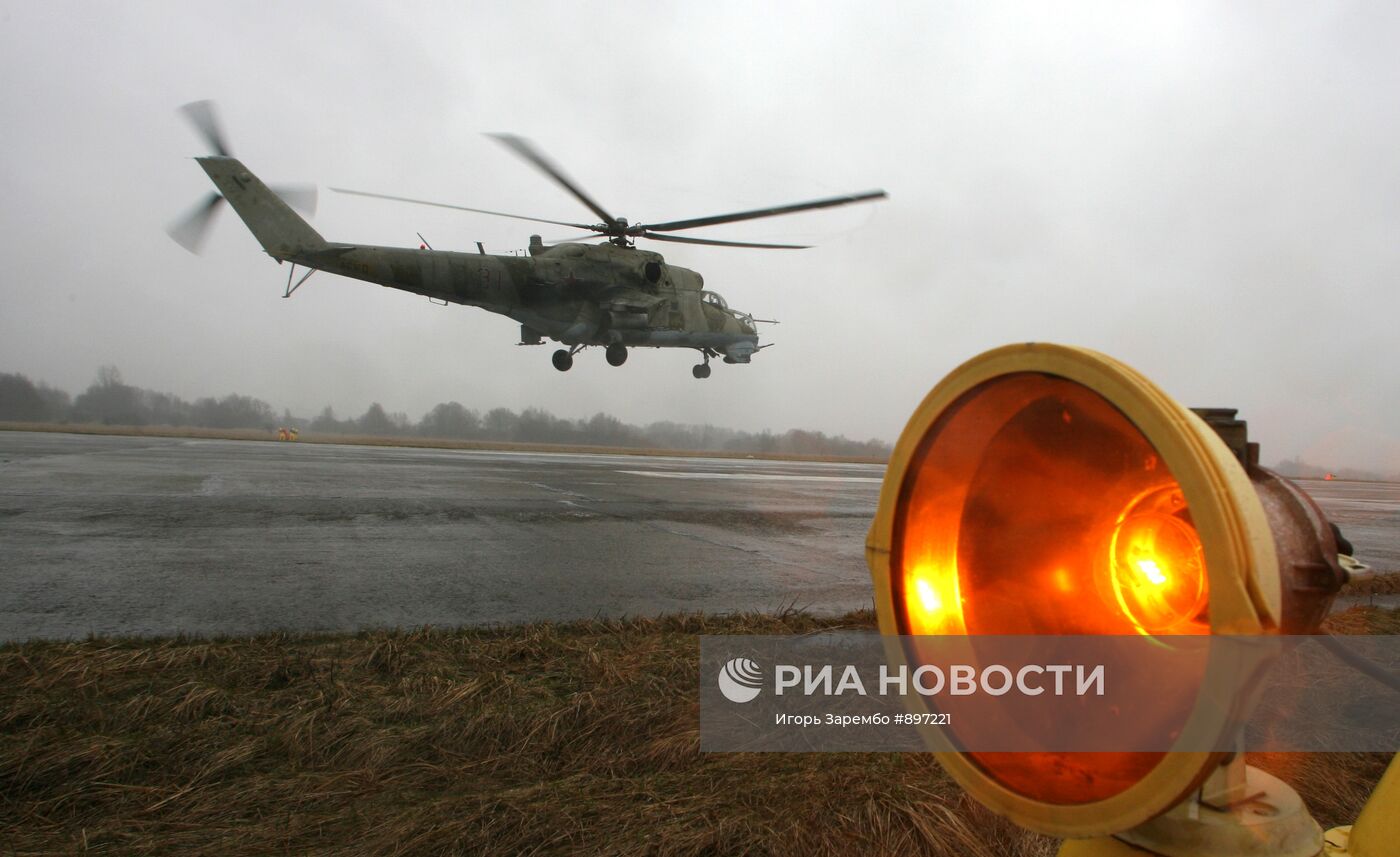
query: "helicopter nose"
740, 352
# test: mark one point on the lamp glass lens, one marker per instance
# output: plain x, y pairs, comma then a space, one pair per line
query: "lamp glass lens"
1034, 506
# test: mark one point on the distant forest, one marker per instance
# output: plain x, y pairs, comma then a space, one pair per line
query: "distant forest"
111, 401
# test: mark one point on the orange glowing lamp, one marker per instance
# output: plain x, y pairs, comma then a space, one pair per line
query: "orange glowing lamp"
1043, 489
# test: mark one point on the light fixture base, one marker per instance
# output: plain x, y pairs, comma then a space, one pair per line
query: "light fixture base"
1268, 819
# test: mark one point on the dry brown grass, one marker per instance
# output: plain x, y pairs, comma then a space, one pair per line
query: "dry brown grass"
535, 739
416, 442
1387, 583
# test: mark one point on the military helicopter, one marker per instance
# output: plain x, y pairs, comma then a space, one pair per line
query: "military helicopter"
611, 294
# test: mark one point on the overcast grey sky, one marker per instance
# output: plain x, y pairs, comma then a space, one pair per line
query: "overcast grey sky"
1209, 192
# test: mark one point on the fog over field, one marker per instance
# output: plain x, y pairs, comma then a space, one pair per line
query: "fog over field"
1208, 192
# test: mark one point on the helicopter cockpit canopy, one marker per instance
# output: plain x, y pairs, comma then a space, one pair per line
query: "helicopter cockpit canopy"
714, 299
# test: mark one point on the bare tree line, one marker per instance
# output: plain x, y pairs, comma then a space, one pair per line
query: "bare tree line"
111, 401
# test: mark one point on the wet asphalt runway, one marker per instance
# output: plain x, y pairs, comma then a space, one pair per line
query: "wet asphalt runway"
1368, 514
125, 535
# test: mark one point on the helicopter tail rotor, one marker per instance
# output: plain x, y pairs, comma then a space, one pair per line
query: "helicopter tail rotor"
201, 115
190, 230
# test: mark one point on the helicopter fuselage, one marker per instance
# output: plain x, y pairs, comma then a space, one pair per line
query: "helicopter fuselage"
608, 295
578, 294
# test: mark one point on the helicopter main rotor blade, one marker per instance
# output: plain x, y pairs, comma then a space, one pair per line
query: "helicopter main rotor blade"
302, 197
574, 238
201, 115
764, 212
464, 208
681, 239
190, 230
526, 150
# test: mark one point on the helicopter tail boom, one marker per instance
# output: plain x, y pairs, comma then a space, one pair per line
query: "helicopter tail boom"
280, 230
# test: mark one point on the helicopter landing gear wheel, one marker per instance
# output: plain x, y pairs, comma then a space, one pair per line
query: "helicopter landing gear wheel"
563, 360
616, 354
701, 370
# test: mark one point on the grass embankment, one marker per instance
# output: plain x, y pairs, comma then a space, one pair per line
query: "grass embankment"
1386, 582
418, 442
552, 738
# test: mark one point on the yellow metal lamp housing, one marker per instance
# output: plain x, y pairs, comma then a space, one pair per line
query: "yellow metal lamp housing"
1045, 489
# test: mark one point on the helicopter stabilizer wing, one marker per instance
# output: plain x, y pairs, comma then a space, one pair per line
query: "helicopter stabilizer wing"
280, 230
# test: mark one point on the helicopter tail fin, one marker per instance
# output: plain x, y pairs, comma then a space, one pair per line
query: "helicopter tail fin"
280, 230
